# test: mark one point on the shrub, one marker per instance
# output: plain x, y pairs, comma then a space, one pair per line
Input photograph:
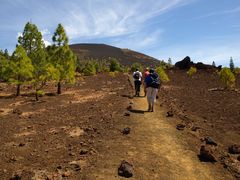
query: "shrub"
126, 69
114, 65
40, 93
227, 77
162, 74
113, 74
237, 70
192, 71
136, 66
89, 69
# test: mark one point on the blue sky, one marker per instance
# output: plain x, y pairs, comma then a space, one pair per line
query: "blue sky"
205, 30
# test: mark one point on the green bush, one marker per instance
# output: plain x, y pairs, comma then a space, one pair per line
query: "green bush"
227, 77
114, 65
89, 69
136, 66
126, 69
192, 71
113, 74
40, 93
162, 74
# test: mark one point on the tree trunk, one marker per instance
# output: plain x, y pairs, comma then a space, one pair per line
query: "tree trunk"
18, 90
36, 95
59, 88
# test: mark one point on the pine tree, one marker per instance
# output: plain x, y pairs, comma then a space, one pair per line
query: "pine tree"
213, 64
4, 68
6, 54
21, 68
231, 64
63, 58
32, 42
169, 61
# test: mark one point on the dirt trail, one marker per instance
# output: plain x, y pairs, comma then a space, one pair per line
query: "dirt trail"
156, 149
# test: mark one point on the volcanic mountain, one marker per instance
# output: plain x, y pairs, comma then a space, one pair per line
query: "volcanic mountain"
102, 51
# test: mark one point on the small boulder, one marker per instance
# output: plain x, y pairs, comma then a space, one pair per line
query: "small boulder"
206, 154
21, 144
126, 130
129, 107
234, 149
169, 114
83, 151
127, 114
210, 141
17, 111
180, 127
75, 165
125, 169
195, 128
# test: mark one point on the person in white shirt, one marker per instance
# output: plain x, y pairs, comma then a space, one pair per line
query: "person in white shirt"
137, 77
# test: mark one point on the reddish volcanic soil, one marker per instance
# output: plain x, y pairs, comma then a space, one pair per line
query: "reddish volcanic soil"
78, 134
215, 112
59, 136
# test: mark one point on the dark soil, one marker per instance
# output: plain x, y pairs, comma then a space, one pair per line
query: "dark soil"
205, 108
59, 136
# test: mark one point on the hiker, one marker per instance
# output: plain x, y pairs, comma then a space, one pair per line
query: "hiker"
146, 73
137, 77
152, 83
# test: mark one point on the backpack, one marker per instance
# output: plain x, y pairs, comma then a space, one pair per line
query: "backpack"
155, 83
136, 75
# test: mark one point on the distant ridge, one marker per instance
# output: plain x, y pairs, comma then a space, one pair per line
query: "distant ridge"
103, 51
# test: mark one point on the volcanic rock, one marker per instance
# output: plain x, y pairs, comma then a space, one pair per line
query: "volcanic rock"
180, 127
210, 141
207, 154
125, 169
169, 114
234, 149
127, 114
126, 130
186, 63
129, 107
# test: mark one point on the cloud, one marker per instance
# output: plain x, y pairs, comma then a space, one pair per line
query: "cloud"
216, 13
104, 19
142, 40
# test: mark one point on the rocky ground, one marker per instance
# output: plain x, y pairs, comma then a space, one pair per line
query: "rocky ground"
96, 124
59, 136
206, 111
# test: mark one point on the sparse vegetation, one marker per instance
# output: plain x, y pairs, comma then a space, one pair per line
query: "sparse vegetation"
136, 66
63, 58
237, 70
231, 64
114, 65
227, 77
192, 71
213, 64
89, 69
162, 74
31, 40
21, 68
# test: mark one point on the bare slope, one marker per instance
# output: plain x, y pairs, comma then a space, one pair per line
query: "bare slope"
103, 51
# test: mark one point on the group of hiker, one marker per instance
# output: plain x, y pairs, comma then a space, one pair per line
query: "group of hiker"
151, 83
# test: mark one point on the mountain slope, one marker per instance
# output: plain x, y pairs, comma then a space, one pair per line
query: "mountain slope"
103, 51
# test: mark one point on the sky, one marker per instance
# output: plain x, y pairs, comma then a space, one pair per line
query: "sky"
205, 30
